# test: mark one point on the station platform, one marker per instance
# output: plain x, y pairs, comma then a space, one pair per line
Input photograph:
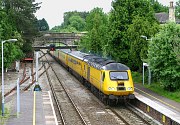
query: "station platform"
36, 108
161, 104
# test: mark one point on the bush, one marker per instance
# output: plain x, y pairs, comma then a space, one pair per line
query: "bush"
164, 57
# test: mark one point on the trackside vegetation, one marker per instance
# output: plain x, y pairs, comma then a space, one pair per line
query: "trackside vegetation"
156, 87
17, 21
164, 56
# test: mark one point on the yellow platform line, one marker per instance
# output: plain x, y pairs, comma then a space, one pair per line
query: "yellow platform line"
158, 99
34, 109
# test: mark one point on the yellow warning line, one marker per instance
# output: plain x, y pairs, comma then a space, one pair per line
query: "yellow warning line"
158, 99
34, 109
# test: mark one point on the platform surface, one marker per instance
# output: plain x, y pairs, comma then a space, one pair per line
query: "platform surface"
164, 105
38, 113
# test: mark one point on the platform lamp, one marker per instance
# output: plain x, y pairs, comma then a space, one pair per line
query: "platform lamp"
37, 86
145, 64
2, 42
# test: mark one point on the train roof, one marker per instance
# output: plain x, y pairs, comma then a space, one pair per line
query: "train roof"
65, 50
103, 63
78, 54
99, 62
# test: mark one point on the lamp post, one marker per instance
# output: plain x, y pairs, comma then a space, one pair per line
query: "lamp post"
145, 64
37, 86
145, 37
9, 40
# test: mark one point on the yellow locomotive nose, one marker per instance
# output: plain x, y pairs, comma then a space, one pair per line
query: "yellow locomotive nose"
118, 83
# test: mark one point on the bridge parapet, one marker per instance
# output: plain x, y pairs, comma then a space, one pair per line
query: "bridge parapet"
65, 38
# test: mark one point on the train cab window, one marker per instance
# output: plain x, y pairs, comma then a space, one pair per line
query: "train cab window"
119, 75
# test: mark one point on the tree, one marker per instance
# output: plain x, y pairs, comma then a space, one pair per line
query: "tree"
68, 15
43, 25
21, 15
178, 9
163, 58
73, 22
11, 53
5, 26
127, 22
138, 45
158, 7
14, 16
96, 25
22, 18
77, 22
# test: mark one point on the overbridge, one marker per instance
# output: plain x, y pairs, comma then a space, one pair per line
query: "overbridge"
57, 47
54, 37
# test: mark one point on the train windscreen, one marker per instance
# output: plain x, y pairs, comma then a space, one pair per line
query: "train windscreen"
123, 75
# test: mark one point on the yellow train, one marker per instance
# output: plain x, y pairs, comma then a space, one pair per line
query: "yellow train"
110, 80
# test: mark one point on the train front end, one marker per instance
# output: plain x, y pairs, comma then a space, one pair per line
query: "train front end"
118, 83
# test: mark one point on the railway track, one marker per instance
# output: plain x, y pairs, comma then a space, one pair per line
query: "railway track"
129, 117
64, 106
125, 115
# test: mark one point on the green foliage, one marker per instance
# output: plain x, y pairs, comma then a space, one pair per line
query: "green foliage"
43, 25
177, 9
64, 30
77, 22
73, 22
128, 21
21, 15
96, 25
158, 7
138, 45
163, 57
17, 21
68, 15
158, 88
5, 26
27, 47
137, 77
11, 54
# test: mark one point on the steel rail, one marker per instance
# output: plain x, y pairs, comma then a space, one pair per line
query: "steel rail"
55, 98
130, 106
65, 90
130, 110
119, 116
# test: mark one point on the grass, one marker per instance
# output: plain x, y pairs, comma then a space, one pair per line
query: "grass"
3, 119
156, 87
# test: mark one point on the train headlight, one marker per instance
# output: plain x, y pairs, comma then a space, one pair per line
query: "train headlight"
109, 88
129, 88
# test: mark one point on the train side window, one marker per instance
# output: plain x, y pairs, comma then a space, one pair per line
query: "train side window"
103, 76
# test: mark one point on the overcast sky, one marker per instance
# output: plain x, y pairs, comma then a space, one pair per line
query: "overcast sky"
53, 10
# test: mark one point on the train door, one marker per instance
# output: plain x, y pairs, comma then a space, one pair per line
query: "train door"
88, 74
84, 72
102, 79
